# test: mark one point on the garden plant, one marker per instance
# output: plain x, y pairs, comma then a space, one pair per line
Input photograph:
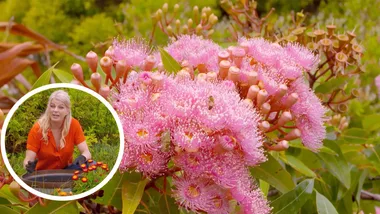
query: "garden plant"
227, 108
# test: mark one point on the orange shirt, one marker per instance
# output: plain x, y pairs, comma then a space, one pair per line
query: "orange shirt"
48, 155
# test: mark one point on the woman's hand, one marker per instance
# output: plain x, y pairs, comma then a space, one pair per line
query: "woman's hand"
80, 160
31, 166
30, 161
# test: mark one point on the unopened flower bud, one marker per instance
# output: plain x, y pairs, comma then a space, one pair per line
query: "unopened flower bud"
104, 91
196, 14
198, 29
92, 60
96, 80
185, 29
245, 46
265, 108
280, 92
190, 23
176, 8
264, 126
77, 71
202, 68
292, 135
252, 78
234, 74
252, 92
261, 97
165, 8
284, 118
149, 63
237, 55
183, 75
121, 68
106, 65
211, 76
157, 80
223, 55
224, 66
290, 100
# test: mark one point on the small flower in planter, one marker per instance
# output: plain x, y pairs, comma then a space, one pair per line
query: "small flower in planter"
83, 166
75, 177
76, 172
84, 179
85, 170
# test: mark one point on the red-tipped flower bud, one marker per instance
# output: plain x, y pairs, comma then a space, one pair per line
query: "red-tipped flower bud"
92, 60
96, 80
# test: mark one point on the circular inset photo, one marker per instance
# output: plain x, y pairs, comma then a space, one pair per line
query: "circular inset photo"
61, 142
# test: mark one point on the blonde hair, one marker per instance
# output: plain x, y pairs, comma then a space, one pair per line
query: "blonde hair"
45, 123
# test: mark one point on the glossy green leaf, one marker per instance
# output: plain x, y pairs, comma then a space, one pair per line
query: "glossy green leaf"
324, 206
112, 190
292, 201
371, 122
298, 165
272, 172
56, 207
170, 64
330, 85
356, 135
337, 165
44, 79
63, 76
131, 194
7, 209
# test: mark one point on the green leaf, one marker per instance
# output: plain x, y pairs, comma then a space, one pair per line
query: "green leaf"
337, 165
356, 135
371, 122
132, 194
324, 206
328, 86
7, 194
44, 79
112, 190
55, 207
272, 172
63, 76
362, 178
264, 186
292, 201
170, 64
373, 155
298, 165
6, 209
298, 144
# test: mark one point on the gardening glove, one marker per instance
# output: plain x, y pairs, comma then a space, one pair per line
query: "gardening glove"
80, 160
31, 166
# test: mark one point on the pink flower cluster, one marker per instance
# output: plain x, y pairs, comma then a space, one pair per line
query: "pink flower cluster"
277, 65
200, 131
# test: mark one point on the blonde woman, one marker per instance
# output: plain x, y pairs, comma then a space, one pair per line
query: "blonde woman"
51, 141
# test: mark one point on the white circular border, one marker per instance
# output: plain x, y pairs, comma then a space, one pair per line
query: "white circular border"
52, 197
